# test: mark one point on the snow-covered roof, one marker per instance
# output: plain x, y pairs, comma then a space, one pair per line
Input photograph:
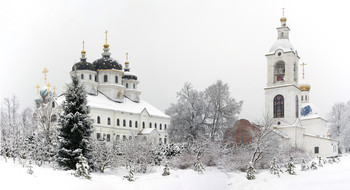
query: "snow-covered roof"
283, 44
280, 133
102, 102
147, 131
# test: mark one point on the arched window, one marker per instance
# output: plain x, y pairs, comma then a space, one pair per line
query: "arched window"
150, 125
95, 78
302, 98
98, 119
160, 126
164, 126
278, 106
135, 124
109, 121
143, 125
130, 123
82, 76
296, 106
105, 78
90, 77
127, 85
124, 122
134, 86
118, 122
155, 125
116, 79
53, 104
279, 71
305, 98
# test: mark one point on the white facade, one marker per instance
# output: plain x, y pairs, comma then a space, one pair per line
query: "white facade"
288, 103
114, 101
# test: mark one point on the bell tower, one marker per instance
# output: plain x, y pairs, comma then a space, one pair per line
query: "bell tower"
282, 93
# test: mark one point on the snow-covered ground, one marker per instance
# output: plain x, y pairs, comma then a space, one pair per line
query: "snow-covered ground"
331, 176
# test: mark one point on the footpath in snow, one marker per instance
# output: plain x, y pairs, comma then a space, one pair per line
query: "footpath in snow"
331, 176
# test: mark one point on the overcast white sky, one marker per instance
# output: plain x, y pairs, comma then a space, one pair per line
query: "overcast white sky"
174, 41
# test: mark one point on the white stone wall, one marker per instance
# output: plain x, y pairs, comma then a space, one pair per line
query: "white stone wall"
114, 130
289, 92
90, 85
295, 135
327, 147
315, 126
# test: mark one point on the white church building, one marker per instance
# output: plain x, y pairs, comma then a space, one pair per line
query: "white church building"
114, 99
288, 103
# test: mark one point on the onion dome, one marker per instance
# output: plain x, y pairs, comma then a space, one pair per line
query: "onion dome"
106, 62
127, 74
283, 19
305, 87
83, 64
44, 92
308, 109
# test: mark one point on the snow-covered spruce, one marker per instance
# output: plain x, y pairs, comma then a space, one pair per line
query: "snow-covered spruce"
198, 166
304, 166
313, 165
30, 168
82, 168
320, 162
75, 127
166, 170
250, 171
275, 168
290, 166
130, 176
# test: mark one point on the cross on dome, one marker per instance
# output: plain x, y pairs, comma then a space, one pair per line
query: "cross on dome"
106, 44
303, 64
83, 51
45, 71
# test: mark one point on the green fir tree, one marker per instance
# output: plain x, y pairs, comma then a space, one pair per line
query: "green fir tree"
304, 166
82, 168
313, 165
75, 127
290, 166
250, 171
275, 168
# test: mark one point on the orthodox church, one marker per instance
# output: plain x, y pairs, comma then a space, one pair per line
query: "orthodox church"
288, 103
114, 100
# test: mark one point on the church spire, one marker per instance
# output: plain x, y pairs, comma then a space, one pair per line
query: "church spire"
283, 18
106, 47
283, 30
83, 52
127, 69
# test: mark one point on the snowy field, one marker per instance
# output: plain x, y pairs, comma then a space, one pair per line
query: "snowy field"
331, 176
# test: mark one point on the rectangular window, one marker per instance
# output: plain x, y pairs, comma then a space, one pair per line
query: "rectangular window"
160, 140
164, 140
317, 150
108, 137
124, 138
130, 137
118, 137
98, 136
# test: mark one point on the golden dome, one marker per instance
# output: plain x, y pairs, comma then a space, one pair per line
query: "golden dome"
283, 19
83, 52
106, 45
305, 87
